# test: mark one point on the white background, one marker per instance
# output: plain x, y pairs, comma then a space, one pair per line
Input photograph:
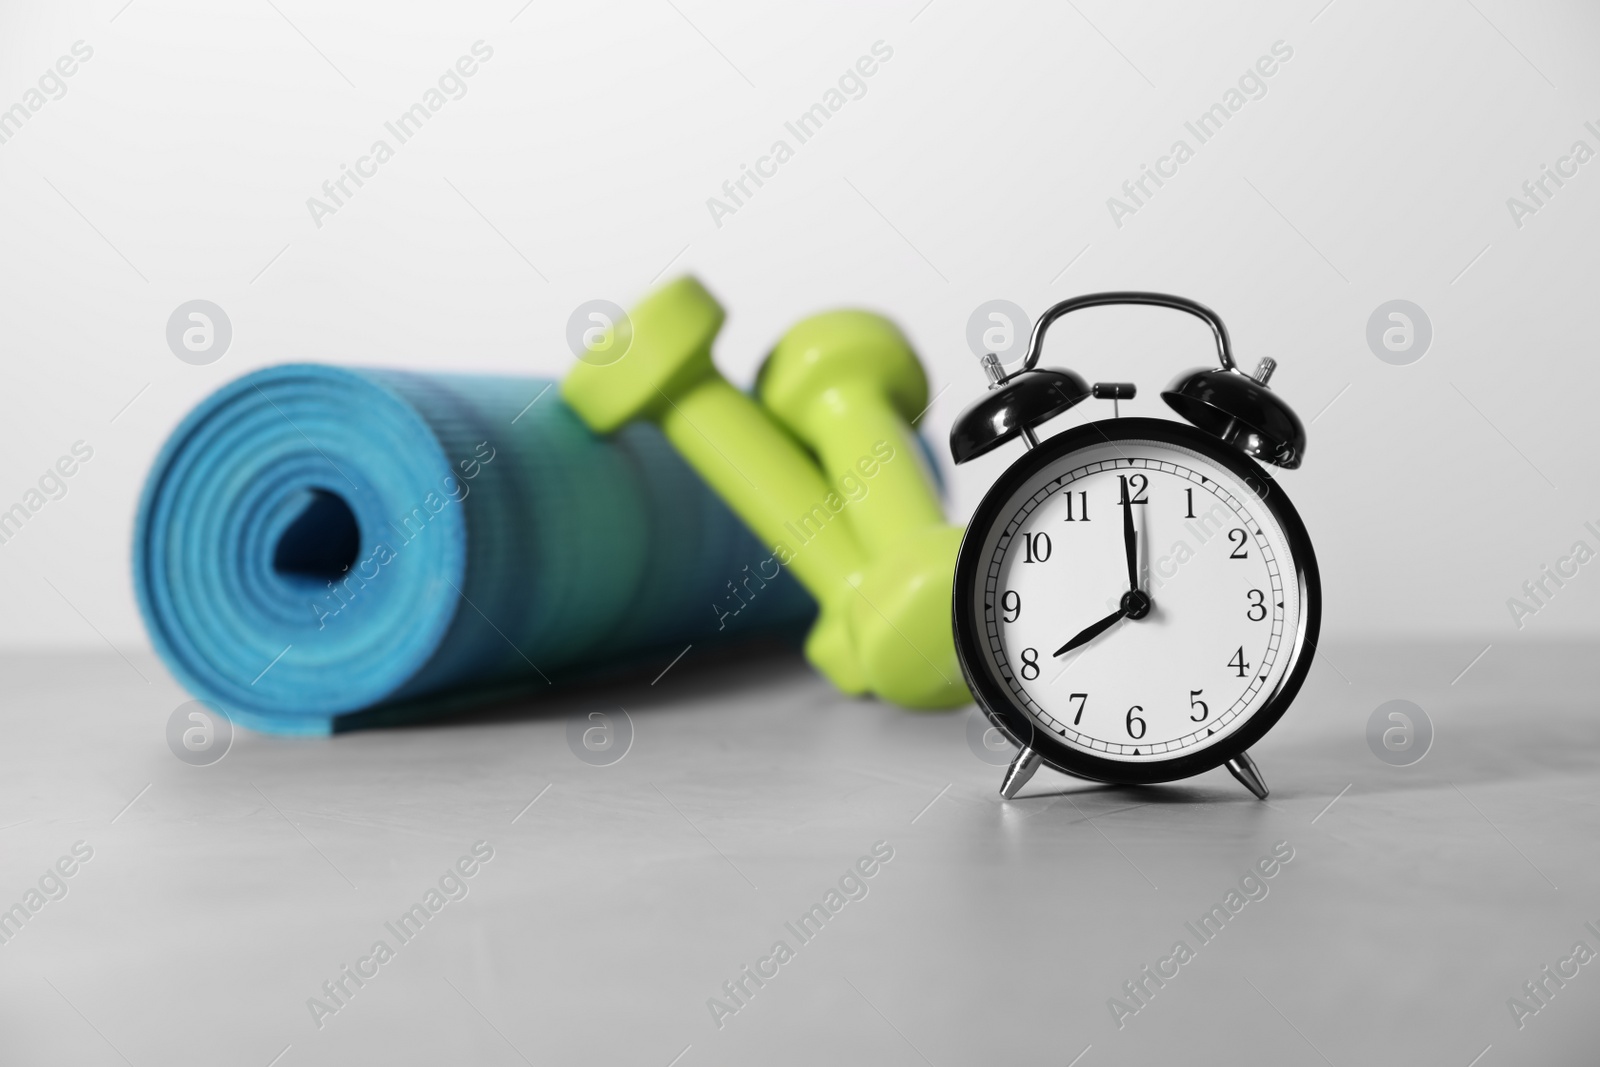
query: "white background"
977, 166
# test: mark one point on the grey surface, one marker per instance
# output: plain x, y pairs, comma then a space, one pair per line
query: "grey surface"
223, 896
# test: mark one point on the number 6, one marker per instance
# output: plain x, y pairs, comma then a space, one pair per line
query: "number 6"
1132, 718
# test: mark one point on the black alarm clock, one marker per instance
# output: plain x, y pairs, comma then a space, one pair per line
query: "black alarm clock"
1136, 600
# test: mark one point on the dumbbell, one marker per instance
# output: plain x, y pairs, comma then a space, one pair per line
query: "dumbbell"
847, 384
761, 472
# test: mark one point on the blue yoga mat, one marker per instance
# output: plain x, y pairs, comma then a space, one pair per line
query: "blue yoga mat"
319, 548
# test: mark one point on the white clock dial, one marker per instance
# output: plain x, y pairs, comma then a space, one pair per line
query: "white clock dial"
1225, 601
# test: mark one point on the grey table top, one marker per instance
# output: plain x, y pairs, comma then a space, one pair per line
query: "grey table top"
218, 900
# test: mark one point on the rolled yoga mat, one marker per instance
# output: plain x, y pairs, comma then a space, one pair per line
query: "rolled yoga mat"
320, 548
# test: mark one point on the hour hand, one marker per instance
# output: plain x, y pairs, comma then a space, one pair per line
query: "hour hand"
1091, 632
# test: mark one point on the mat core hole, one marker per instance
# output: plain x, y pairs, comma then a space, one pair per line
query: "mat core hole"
322, 542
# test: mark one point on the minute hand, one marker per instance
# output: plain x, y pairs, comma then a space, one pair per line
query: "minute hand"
1130, 540
1092, 632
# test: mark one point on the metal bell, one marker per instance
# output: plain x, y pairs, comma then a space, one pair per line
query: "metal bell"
1240, 410
1012, 407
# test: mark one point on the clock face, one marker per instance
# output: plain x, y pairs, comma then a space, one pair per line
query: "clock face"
1207, 641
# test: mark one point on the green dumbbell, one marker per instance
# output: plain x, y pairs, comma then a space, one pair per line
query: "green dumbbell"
847, 384
761, 472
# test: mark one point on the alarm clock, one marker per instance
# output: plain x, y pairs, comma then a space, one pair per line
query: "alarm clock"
1135, 600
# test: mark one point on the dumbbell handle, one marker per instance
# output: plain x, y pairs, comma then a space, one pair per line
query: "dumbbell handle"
766, 478
852, 426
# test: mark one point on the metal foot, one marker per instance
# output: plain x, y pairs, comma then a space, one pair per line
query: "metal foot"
1019, 772
1244, 768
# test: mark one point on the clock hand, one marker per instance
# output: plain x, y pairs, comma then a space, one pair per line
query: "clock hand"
1135, 604
1091, 632
1130, 540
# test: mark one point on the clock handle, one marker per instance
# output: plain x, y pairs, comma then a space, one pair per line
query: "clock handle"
1244, 768
1164, 300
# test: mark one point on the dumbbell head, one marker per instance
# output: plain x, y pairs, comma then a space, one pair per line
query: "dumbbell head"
848, 385
825, 351
900, 622
672, 333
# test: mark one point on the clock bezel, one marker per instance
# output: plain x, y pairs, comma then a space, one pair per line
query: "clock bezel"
999, 704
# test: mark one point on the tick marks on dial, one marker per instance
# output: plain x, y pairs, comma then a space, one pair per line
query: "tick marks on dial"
1017, 528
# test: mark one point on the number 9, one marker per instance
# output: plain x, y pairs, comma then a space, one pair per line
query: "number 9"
1011, 604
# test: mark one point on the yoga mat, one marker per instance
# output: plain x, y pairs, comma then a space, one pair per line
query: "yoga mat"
320, 548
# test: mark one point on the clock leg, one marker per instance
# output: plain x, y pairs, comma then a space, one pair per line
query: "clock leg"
1019, 772
1244, 768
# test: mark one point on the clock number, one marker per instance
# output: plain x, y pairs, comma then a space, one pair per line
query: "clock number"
1083, 507
1196, 702
1134, 495
1082, 699
1237, 536
1132, 718
1036, 547
1030, 664
1258, 602
1238, 663
1011, 604
1189, 494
